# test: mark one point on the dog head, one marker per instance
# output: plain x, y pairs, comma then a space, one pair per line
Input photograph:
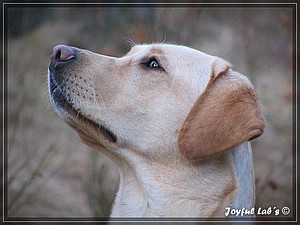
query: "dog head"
155, 99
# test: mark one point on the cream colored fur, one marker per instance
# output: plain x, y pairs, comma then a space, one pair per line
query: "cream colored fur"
169, 164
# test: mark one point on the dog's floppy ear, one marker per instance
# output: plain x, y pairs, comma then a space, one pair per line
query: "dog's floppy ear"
224, 116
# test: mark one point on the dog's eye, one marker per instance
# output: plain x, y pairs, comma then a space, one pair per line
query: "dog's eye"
152, 64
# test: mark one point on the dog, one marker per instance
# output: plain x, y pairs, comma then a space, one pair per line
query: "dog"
177, 123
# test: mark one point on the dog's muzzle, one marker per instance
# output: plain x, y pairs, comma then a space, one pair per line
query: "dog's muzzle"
64, 60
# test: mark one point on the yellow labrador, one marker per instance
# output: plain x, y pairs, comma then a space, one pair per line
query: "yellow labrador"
177, 123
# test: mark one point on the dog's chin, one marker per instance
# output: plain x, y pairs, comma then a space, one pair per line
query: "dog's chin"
93, 143
88, 139
91, 133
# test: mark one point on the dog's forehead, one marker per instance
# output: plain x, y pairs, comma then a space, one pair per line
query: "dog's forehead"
170, 50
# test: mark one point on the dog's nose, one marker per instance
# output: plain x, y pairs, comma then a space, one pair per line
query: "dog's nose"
63, 53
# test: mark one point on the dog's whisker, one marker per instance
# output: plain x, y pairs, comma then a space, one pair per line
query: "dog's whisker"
95, 102
99, 95
130, 41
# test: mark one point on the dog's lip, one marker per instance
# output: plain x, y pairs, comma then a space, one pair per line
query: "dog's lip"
52, 85
76, 119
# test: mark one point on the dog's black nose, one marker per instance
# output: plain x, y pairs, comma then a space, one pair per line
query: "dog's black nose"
63, 53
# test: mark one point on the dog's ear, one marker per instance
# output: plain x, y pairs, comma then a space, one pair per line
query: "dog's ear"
224, 116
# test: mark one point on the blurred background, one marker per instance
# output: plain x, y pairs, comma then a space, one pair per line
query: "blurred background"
52, 174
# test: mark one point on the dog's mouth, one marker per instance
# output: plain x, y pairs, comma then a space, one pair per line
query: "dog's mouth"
87, 128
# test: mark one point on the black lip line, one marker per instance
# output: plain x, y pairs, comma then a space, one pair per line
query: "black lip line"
66, 105
108, 134
54, 86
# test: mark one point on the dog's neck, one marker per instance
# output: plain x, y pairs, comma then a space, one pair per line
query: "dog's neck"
175, 188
